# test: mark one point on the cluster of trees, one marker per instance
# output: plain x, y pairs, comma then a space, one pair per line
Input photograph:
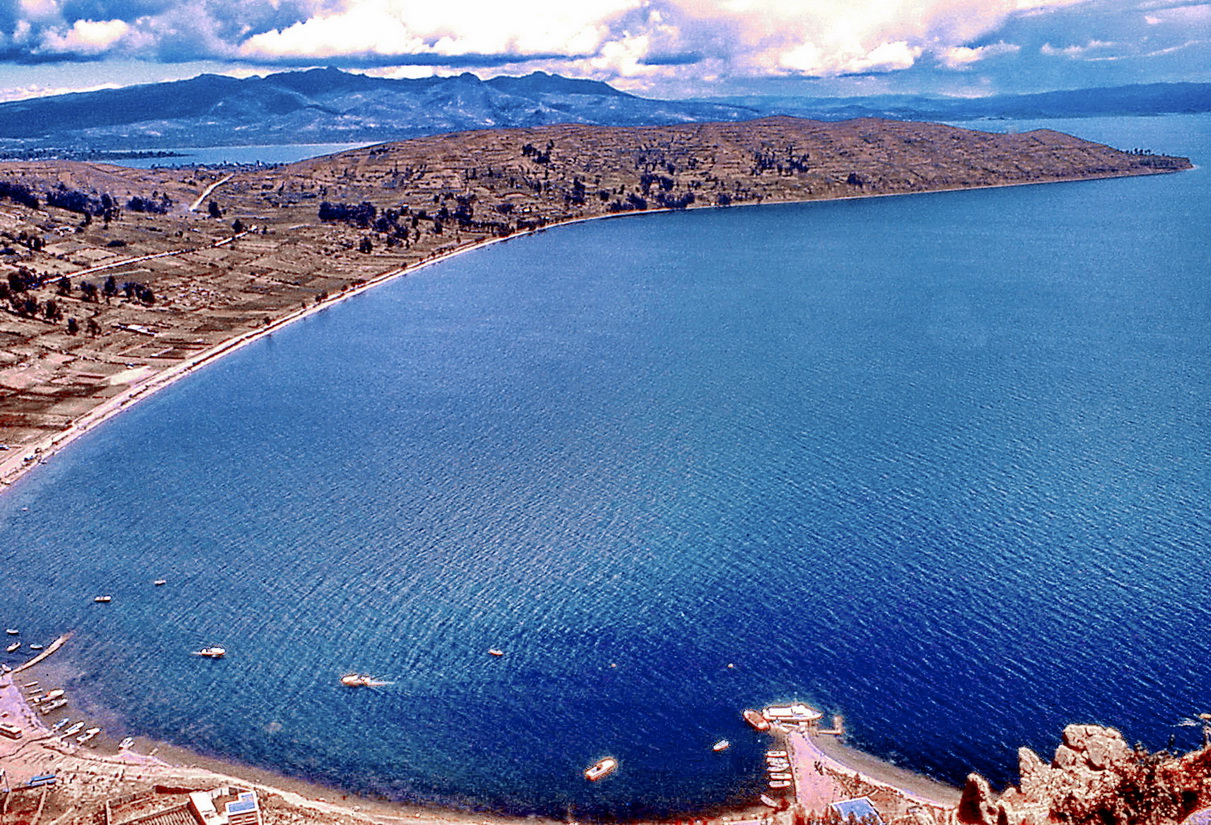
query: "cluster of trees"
18, 193
784, 162
360, 214
79, 201
537, 155
156, 204
89, 292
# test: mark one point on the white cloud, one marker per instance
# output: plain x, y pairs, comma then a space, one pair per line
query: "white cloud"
962, 57
86, 37
1090, 50
447, 28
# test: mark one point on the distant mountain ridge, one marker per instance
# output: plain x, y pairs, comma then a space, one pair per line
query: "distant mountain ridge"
331, 106
328, 106
1141, 99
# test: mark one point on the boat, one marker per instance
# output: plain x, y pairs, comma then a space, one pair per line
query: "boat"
58, 726
495, 652
12, 631
211, 652
103, 599
88, 735
721, 745
360, 680
36, 646
779, 783
12, 648
126, 743
756, 720
772, 803
776, 754
52, 706
785, 777
76, 728
57, 693
160, 582
601, 769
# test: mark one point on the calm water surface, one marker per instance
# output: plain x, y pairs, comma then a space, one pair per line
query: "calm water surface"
940, 463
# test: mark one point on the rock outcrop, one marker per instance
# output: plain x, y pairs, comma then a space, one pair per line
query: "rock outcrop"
1095, 778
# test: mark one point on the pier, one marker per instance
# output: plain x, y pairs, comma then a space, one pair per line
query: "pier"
51, 648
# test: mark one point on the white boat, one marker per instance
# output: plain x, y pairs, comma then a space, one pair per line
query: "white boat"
755, 719
36, 646
779, 783
495, 652
776, 754
360, 680
103, 599
12, 648
12, 631
126, 743
211, 652
721, 745
601, 769
160, 582
76, 728
57, 693
88, 735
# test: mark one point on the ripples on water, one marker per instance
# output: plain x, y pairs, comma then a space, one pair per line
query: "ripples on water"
939, 463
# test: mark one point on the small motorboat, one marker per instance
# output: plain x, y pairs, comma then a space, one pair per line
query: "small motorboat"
211, 652
721, 746
755, 719
73, 729
160, 582
601, 769
12, 631
779, 783
12, 648
126, 743
360, 680
495, 652
36, 646
88, 735
103, 599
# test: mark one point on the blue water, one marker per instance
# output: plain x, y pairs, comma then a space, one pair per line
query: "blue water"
214, 155
940, 463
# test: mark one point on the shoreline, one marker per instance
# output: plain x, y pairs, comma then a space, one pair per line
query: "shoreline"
26, 458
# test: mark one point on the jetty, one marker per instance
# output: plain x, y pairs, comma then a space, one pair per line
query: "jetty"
51, 648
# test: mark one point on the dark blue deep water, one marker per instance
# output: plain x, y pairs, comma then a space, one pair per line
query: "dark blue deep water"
941, 463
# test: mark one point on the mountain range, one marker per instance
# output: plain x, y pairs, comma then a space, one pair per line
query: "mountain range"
331, 106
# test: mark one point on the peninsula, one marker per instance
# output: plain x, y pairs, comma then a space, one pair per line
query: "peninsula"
118, 280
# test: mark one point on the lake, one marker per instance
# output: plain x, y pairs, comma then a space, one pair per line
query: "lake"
937, 462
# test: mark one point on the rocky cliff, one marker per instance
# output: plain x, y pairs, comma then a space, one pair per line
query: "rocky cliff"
1095, 778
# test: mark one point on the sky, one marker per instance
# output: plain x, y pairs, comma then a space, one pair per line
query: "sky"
657, 48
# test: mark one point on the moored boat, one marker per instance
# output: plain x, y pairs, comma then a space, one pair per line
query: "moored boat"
755, 719
75, 728
126, 743
601, 769
36, 646
211, 652
88, 735
12, 648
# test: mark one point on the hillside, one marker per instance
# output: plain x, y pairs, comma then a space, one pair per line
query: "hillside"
114, 284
